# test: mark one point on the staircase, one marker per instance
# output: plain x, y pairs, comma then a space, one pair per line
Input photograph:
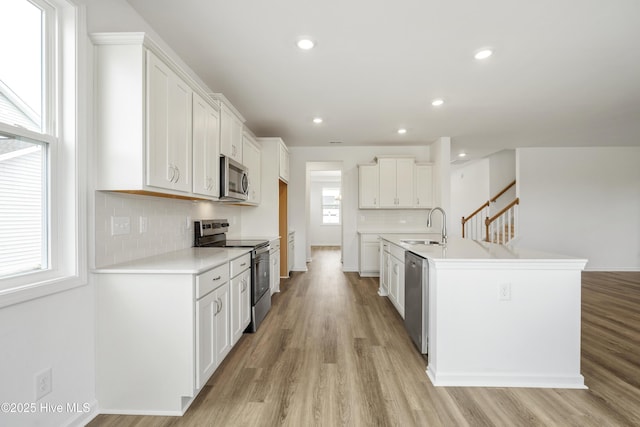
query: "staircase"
500, 228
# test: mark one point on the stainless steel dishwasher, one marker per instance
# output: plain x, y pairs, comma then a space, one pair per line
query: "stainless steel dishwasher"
416, 297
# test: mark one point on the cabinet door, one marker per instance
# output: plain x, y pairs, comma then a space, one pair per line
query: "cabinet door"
404, 183
274, 274
424, 186
206, 146
230, 134
222, 324
168, 127
284, 163
388, 183
370, 257
393, 281
159, 171
236, 308
290, 254
385, 272
368, 186
245, 300
401, 288
251, 159
180, 126
206, 352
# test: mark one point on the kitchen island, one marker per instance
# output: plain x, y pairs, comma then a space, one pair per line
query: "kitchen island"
501, 316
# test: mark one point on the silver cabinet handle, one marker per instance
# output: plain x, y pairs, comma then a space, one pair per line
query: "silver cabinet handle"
217, 308
243, 264
178, 177
216, 278
172, 169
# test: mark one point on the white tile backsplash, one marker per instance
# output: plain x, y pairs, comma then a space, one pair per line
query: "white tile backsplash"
392, 220
167, 228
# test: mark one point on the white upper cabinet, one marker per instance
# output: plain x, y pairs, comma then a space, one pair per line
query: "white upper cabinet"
169, 127
424, 186
230, 132
284, 162
369, 186
145, 121
206, 146
251, 159
396, 183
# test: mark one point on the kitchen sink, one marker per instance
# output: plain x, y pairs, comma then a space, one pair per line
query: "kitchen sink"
421, 242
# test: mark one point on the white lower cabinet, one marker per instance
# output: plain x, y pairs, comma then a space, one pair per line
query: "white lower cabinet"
240, 296
291, 251
212, 332
392, 274
160, 337
369, 255
274, 269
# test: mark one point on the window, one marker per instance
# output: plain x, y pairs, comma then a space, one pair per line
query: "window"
23, 161
41, 236
330, 205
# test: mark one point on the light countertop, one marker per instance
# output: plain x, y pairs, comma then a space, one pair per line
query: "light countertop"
458, 249
184, 261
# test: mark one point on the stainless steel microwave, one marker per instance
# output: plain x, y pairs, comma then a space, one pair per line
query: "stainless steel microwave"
234, 180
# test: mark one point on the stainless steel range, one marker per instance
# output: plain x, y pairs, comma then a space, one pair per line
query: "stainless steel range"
213, 233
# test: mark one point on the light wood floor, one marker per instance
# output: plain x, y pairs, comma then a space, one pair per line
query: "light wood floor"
332, 352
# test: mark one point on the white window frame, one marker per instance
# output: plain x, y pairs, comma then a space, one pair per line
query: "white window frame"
333, 186
65, 120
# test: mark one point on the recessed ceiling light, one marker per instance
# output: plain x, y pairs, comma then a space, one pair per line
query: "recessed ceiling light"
437, 102
335, 142
463, 154
306, 44
317, 120
483, 54
402, 131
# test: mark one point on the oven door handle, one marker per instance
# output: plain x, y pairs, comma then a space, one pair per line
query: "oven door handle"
262, 250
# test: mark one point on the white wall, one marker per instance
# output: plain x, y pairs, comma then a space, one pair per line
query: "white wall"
350, 158
583, 202
469, 190
321, 234
262, 220
502, 172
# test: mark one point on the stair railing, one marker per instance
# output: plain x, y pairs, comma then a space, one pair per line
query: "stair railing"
503, 226
474, 226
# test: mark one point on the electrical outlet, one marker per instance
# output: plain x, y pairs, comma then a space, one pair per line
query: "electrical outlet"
504, 292
44, 384
120, 225
144, 222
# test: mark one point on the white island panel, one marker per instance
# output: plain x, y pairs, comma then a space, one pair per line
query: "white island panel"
479, 338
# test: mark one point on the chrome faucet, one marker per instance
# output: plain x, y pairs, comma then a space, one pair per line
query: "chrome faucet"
444, 223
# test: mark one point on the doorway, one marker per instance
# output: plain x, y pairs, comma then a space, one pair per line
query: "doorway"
324, 206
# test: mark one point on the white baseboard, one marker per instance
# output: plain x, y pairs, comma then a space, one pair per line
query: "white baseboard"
497, 380
83, 418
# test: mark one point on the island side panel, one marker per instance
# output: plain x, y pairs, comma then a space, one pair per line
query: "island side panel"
481, 338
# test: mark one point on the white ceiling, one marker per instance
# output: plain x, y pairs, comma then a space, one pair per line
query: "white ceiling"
564, 72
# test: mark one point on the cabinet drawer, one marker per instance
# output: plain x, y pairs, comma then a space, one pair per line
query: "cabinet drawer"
398, 252
208, 281
240, 264
386, 246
